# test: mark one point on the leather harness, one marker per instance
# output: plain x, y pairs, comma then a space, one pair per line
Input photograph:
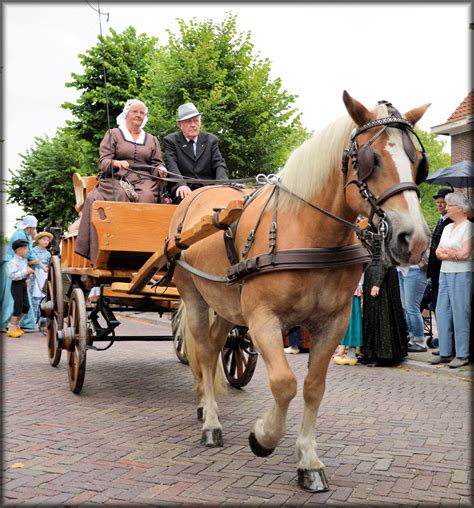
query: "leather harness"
320, 257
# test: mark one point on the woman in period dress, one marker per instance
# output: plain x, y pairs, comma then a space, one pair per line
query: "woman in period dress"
384, 330
122, 148
26, 230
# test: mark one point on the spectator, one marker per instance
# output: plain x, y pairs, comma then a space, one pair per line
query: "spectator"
453, 308
26, 230
412, 282
384, 331
193, 154
434, 264
353, 336
18, 271
122, 147
40, 273
295, 337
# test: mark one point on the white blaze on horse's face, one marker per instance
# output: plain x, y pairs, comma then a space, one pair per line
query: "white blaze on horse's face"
403, 165
409, 222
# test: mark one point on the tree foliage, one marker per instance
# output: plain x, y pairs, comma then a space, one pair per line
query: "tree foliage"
437, 158
126, 58
215, 67
43, 184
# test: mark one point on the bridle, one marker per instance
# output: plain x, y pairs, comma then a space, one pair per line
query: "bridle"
363, 162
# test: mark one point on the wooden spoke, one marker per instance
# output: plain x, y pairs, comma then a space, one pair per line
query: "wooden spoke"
55, 310
76, 358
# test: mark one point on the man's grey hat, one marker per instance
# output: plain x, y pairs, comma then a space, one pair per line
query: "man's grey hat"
186, 111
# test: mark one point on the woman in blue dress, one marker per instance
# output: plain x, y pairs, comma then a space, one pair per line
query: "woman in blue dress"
26, 229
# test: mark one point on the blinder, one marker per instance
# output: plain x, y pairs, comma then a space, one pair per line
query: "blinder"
365, 159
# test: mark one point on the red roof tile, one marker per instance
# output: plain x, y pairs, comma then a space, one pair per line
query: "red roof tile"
464, 109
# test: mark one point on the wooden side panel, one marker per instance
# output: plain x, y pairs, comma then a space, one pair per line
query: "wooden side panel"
202, 229
129, 228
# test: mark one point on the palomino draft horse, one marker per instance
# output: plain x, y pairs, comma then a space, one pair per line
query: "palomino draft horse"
299, 260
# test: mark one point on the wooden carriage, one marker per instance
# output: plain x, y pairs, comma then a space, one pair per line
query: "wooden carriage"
83, 296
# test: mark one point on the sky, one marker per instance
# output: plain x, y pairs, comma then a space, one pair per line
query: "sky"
409, 54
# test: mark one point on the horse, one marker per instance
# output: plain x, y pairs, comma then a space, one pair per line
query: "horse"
307, 211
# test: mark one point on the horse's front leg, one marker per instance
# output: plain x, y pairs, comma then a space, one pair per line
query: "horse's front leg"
311, 475
271, 428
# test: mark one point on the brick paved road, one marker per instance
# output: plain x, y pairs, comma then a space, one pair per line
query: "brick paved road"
388, 436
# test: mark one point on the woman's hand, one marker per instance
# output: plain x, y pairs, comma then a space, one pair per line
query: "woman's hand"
120, 164
374, 292
162, 172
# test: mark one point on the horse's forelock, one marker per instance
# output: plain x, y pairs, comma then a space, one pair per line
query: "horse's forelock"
310, 165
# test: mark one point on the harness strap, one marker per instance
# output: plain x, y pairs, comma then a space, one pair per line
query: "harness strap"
402, 186
293, 259
299, 259
200, 273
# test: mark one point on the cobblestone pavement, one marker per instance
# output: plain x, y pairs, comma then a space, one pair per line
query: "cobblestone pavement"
388, 436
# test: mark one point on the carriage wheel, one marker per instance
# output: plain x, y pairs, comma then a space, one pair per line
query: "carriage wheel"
239, 357
178, 342
77, 347
53, 309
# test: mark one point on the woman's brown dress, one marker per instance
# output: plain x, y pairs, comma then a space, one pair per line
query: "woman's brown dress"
114, 146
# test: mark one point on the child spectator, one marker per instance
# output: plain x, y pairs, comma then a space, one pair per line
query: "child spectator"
39, 276
353, 336
18, 271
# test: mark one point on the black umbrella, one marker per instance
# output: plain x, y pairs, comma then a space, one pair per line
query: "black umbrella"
458, 175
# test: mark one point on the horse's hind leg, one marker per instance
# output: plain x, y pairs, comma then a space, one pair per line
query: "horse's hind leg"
208, 345
271, 428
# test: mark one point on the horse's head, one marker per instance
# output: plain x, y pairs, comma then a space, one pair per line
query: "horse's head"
382, 170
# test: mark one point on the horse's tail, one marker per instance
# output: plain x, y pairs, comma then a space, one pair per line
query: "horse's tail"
189, 347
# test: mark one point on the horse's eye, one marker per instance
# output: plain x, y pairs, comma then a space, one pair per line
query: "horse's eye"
377, 160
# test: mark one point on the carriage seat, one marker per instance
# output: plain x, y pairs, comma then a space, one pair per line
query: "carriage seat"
82, 186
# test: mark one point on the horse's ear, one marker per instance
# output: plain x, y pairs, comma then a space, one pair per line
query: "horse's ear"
414, 115
358, 112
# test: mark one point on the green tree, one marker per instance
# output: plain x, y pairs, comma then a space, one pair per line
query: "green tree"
214, 66
126, 58
43, 184
438, 158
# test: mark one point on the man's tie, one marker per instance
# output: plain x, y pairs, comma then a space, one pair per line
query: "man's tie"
191, 144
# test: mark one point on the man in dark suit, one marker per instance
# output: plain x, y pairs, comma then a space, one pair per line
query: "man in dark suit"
192, 153
434, 264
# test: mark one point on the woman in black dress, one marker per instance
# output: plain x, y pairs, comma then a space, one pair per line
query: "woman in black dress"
384, 330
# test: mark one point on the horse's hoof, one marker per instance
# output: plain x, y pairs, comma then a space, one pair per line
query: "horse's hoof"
200, 414
257, 449
313, 480
212, 438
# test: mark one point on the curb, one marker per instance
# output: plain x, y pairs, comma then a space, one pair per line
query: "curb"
465, 373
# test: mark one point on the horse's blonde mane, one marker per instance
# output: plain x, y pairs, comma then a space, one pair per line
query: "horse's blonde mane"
310, 165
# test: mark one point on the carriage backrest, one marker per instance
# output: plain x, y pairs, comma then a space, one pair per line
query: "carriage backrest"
82, 186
